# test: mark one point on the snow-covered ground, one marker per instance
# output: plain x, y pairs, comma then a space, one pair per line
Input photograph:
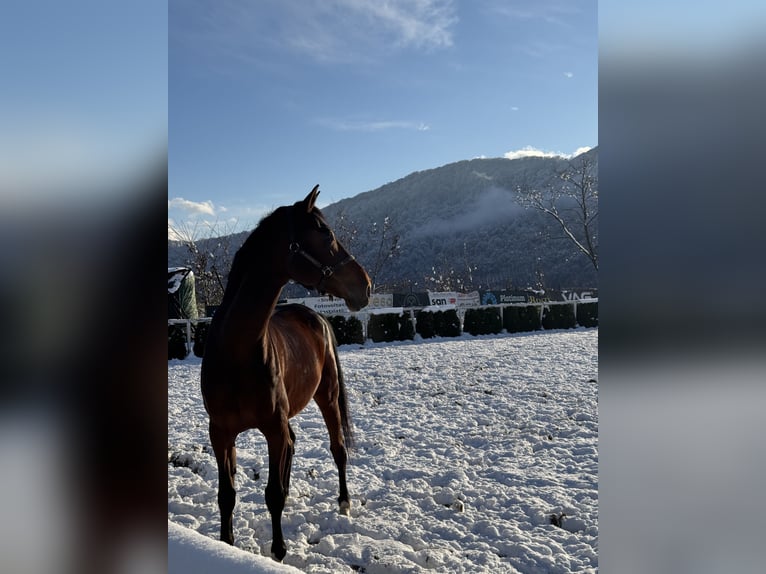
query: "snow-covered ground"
465, 449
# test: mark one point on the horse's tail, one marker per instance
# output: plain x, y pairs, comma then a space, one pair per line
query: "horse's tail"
345, 415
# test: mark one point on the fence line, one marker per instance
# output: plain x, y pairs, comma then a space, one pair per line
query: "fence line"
188, 323
411, 312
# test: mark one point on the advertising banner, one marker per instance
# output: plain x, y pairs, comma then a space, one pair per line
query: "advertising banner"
378, 300
460, 300
411, 299
579, 295
323, 305
506, 297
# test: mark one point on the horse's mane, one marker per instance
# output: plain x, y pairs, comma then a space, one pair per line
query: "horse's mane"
267, 227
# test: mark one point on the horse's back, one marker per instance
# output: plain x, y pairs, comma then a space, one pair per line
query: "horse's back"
292, 315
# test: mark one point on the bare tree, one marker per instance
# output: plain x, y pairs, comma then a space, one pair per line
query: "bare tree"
387, 249
209, 254
572, 201
445, 276
376, 247
442, 278
345, 230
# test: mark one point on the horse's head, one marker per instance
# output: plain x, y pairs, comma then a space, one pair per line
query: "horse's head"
318, 260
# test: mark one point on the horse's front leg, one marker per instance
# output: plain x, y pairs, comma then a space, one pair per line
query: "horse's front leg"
280, 449
226, 457
288, 462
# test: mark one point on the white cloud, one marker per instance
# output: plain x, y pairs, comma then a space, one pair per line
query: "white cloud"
425, 23
330, 32
569, 74
192, 207
198, 219
529, 151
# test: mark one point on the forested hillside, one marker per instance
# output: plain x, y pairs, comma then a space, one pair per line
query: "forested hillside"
459, 226
464, 221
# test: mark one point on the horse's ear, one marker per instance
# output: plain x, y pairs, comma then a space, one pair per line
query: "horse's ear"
311, 199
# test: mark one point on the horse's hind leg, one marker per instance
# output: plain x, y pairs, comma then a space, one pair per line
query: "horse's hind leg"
226, 457
331, 414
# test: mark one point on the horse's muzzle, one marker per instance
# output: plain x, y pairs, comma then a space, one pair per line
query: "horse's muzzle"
355, 304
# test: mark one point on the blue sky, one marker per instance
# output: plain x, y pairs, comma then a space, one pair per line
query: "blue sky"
269, 97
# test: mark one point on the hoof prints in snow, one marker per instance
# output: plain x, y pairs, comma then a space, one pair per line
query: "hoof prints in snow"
466, 449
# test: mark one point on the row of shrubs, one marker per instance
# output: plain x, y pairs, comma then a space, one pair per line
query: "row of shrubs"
477, 321
428, 324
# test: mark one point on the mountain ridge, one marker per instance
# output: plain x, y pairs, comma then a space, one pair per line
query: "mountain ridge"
460, 225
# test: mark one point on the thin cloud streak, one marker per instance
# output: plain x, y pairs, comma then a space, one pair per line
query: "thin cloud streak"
425, 23
327, 32
371, 126
552, 12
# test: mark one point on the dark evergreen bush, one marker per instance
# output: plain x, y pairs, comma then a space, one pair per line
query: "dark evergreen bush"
483, 321
199, 332
448, 323
587, 314
438, 323
559, 316
348, 330
406, 328
425, 324
390, 327
177, 342
521, 318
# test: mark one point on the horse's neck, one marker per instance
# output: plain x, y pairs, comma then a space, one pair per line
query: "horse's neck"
251, 307
247, 306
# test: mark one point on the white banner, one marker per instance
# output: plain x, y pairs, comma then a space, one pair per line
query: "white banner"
460, 300
323, 305
381, 300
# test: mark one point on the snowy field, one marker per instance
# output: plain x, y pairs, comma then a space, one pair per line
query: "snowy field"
465, 449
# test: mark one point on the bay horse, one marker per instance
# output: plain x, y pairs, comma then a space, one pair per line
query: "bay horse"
263, 364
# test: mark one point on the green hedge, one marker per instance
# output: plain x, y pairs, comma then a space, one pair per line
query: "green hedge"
587, 314
561, 316
390, 327
438, 323
521, 318
348, 330
483, 321
177, 342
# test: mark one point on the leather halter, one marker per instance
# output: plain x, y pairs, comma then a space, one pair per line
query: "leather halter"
326, 270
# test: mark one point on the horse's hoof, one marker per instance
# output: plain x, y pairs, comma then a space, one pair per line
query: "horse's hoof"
345, 508
278, 551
